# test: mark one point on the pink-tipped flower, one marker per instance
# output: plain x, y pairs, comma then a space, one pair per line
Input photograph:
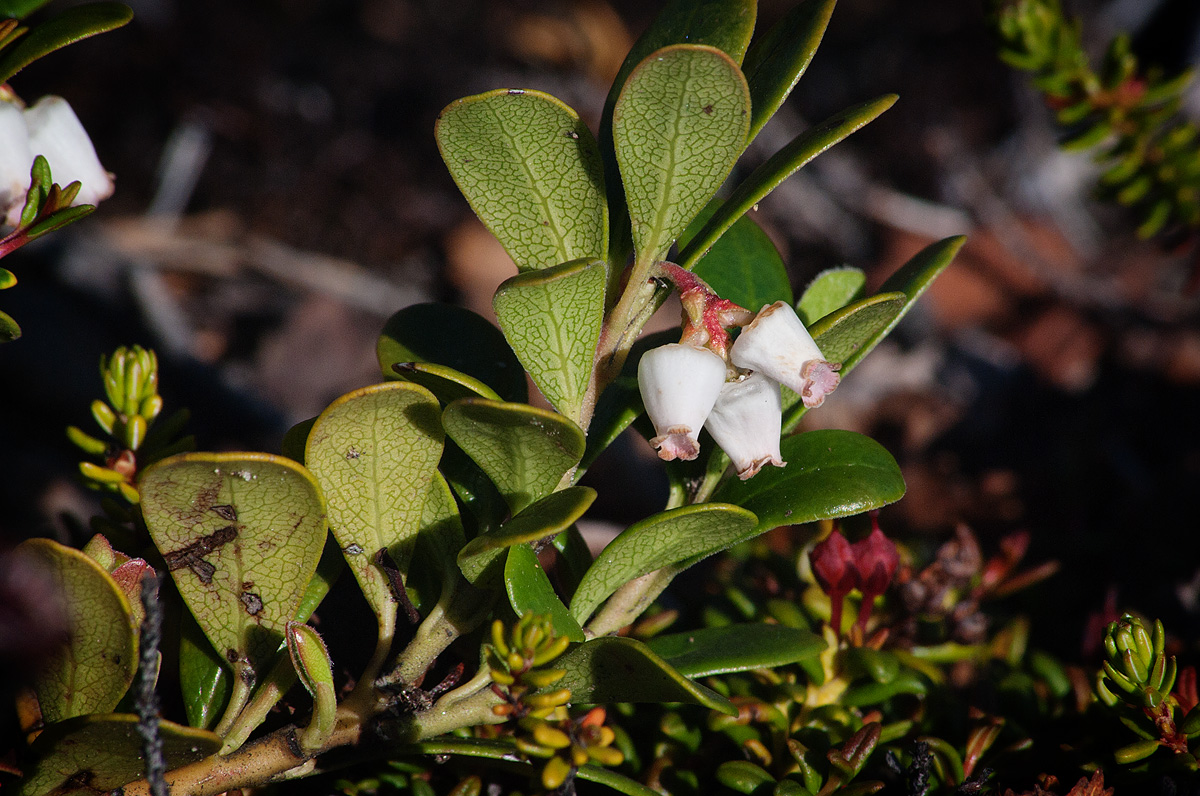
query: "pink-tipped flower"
15, 161
56, 133
746, 422
679, 385
876, 560
833, 565
777, 345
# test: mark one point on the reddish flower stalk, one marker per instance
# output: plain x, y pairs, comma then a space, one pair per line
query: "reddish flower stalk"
876, 559
708, 315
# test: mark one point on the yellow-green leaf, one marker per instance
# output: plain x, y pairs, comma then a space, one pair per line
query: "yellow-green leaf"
92, 671
241, 534
530, 592
678, 127
531, 171
374, 452
552, 319
105, 752
830, 290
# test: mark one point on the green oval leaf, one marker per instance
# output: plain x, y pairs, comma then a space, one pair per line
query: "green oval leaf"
455, 337
830, 473
775, 63
614, 669
374, 452
435, 558
743, 776
525, 451
105, 751
94, 668
530, 169
779, 167
678, 127
736, 648
241, 534
675, 538
842, 333
552, 320
830, 290
68, 27
743, 265
479, 560
504, 751
529, 592
879, 665
19, 9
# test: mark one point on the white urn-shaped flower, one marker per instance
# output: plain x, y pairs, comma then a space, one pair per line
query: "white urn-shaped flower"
746, 422
679, 385
777, 345
15, 161
56, 133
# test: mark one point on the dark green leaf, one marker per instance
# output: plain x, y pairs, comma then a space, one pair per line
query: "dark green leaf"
295, 440
743, 776
435, 559
203, 675
574, 559
19, 9
525, 451
531, 171
735, 648
443, 334
779, 167
105, 751
676, 538
96, 665
614, 669
70, 26
879, 665
830, 290
679, 126
775, 62
842, 333
530, 592
547, 517
912, 279
504, 751
830, 473
552, 320
743, 265
446, 383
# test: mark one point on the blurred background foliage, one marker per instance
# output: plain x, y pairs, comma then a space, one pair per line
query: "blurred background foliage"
279, 195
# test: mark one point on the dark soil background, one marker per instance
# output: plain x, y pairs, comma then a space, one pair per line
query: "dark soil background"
280, 194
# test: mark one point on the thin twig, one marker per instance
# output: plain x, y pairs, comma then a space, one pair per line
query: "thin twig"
147, 698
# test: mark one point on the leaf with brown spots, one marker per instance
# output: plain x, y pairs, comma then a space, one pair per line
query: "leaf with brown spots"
241, 534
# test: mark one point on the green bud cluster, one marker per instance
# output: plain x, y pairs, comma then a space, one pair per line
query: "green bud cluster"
516, 660
130, 378
1136, 670
1148, 148
567, 743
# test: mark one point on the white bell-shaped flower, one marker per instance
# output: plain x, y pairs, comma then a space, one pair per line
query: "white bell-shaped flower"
746, 422
679, 385
776, 344
56, 133
16, 159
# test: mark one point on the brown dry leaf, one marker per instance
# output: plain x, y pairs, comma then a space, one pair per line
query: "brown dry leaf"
1091, 787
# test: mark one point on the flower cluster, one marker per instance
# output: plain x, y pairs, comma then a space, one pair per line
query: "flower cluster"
867, 565
51, 129
732, 390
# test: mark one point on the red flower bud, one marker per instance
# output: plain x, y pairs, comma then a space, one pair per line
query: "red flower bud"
834, 568
876, 559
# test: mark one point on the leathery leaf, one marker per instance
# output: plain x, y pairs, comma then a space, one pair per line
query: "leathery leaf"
241, 534
531, 171
530, 592
374, 452
92, 671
